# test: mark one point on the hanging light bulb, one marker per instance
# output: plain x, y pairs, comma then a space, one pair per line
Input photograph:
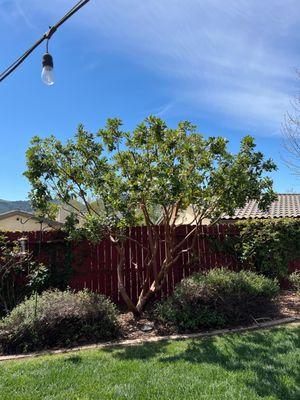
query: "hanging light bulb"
47, 71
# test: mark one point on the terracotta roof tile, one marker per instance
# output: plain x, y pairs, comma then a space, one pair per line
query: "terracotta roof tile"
286, 206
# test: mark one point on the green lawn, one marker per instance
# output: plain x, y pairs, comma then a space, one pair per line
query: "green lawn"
256, 365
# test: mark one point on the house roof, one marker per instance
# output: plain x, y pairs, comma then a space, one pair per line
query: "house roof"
286, 206
28, 215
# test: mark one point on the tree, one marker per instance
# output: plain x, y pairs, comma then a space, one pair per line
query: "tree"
128, 175
291, 133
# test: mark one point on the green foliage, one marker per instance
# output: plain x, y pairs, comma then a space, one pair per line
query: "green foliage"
269, 245
20, 276
122, 177
295, 280
58, 318
218, 298
37, 278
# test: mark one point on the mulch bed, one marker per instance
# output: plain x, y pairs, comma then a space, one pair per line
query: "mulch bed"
144, 328
138, 328
289, 304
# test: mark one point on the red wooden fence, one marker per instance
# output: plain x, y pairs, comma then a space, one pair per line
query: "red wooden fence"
94, 267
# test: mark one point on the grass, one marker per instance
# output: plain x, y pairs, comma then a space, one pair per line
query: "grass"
255, 365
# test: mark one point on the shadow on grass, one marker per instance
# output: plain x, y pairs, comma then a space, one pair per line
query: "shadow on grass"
268, 355
144, 351
73, 360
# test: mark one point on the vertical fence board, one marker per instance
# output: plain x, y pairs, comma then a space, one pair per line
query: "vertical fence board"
95, 267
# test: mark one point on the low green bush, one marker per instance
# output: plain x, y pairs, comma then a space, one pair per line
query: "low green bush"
218, 298
295, 280
57, 318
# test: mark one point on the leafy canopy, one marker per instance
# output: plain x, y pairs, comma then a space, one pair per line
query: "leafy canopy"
121, 176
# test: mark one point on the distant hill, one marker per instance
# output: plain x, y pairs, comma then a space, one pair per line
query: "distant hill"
6, 205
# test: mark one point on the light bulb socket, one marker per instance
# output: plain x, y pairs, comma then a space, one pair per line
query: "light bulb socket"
47, 60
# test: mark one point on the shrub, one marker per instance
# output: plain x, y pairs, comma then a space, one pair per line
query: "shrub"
268, 246
295, 280
58, 319
218, 298
20, 275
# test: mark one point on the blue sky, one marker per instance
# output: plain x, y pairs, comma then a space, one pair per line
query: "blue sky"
228, 67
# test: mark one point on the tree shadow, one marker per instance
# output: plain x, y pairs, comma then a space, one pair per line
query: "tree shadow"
257, 352
73, 360
143, 351
262, 353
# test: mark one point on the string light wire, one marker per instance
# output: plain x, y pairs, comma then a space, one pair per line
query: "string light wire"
46, 36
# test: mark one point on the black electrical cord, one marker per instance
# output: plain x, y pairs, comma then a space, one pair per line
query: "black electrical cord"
46, 36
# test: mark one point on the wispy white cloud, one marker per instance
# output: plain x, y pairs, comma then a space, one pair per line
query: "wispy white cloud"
12, 11
163, 110
23, 14
236, 58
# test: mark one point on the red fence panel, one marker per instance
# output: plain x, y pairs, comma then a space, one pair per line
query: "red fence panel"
94, 266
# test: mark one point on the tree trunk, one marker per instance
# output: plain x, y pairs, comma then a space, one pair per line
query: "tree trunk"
172, 254
155, 286
120, 273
